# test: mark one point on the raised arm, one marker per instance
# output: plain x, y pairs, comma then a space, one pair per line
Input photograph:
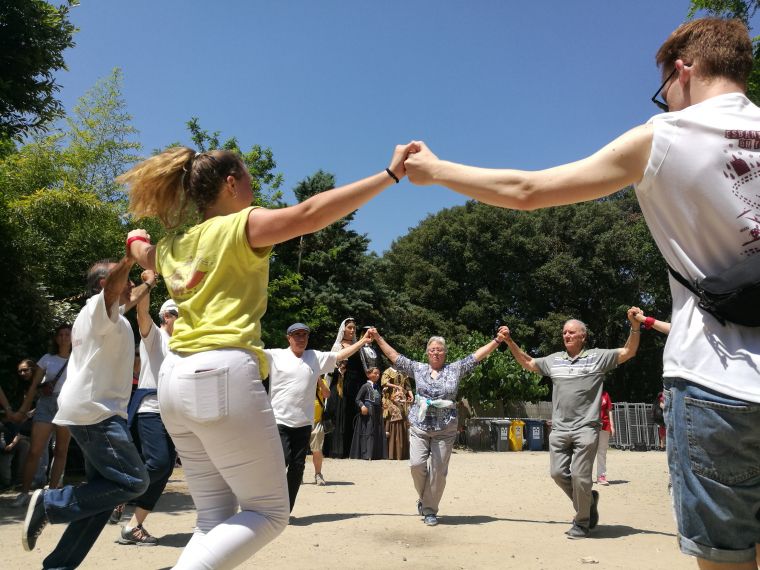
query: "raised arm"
144, 320
631, 346
268, 227
350, 350
387, 349
140, 248
115, 281
620, 163
651, 322
485, 350
26, 405
522, 358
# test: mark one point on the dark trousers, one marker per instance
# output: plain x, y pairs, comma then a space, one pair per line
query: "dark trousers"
295, 446
158, 452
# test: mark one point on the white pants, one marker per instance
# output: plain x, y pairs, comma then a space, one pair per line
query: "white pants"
218, 414
601, 453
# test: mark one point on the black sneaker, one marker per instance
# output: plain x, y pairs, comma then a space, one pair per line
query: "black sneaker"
594, 515
431, 520
419, 508
35, 520
577, 531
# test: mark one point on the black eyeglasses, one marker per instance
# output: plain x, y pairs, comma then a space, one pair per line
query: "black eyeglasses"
661, 103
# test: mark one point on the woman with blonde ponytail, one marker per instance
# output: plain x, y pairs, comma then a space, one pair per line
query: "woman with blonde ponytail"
212, 400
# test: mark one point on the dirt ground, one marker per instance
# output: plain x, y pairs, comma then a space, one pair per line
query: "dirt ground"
500, 510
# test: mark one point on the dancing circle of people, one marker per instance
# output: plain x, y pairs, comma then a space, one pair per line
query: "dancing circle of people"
202, 370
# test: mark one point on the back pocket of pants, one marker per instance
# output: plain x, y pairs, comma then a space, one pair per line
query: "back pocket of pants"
723, 440
204, 395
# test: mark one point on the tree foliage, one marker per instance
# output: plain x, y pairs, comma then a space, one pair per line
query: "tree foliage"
335, 273
33, 37
467, 267
63, 213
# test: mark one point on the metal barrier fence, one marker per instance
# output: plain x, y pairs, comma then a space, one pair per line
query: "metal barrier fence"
634, 427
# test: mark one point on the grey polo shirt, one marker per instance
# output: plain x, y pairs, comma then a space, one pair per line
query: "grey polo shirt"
578, 383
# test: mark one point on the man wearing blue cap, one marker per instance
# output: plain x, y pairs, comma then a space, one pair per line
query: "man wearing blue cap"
293, 375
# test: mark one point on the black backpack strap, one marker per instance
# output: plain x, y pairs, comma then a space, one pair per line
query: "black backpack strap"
682, 280
704, 303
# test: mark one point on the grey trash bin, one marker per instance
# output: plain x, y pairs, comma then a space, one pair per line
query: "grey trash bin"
501, 434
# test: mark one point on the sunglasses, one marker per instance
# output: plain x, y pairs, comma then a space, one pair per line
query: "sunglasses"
661, 103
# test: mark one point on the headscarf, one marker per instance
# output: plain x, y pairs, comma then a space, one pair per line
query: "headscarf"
338, 344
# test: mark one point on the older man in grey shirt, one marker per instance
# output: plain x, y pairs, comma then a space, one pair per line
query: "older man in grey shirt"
577, 376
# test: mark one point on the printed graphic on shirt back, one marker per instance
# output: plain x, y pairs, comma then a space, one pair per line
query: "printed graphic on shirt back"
742, 168
188, 276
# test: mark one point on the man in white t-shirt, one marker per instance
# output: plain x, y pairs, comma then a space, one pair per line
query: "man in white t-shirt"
696, 171
93, 405
293, 375
144, 416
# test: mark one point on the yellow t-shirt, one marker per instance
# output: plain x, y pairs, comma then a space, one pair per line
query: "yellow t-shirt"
219, 284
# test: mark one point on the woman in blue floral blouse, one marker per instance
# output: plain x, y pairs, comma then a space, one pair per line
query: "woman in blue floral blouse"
433, 415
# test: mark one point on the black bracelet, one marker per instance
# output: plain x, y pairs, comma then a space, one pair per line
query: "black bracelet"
390, 173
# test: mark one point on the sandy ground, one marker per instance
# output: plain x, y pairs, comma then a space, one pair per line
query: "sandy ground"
500, 510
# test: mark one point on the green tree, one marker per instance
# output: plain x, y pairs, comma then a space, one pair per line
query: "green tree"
338, 277
100, 141
33, 39
466, 267
63, 214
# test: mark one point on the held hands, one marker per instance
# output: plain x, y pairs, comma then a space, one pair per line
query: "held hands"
400, 154
367, 338
149, 277
635, 316
502, 335
420, 164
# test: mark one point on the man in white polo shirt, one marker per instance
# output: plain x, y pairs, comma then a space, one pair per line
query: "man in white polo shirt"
293, 375
93, 405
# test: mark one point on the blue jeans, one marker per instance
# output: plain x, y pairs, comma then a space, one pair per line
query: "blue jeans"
158, 452
115, 474
713, 444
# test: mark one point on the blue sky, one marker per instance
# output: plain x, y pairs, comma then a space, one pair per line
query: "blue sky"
336, 84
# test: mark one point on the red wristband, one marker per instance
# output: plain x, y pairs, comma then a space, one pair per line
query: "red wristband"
649, 322
137, 238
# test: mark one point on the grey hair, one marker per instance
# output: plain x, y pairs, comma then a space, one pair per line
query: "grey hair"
438, 339
99, 270
581, 323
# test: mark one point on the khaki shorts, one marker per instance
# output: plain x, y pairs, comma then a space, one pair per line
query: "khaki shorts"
317, 439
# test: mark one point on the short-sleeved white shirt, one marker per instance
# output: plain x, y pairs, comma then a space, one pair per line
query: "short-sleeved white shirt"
99, 379
153, 350
52, 363
293, 383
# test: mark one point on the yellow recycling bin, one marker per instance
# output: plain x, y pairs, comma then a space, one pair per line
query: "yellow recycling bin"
516, 435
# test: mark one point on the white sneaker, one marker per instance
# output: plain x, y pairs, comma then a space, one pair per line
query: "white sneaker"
22, 500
